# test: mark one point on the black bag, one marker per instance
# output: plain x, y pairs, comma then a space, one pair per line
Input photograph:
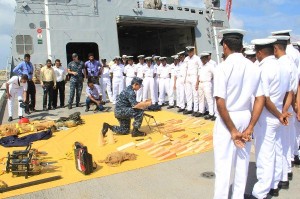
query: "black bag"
83, 159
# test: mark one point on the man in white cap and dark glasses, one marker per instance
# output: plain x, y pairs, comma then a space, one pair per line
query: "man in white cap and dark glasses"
236, 80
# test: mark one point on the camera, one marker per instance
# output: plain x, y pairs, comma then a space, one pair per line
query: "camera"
23, 104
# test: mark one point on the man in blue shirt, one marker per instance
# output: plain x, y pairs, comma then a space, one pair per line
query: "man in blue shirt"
26, 68
93, 68
93, 96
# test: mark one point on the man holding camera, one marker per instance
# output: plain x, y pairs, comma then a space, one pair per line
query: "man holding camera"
15, 88
26, 68
93, 68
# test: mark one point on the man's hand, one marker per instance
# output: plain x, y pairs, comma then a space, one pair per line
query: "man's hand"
75, 73
284, 118
247, 134
8, 95
197, 86
298, 116
98, 103
237, 138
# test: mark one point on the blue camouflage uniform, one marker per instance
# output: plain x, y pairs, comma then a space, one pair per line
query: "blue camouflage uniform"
124, 112
76, 82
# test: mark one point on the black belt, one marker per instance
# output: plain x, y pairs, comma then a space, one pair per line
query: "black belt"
48, 81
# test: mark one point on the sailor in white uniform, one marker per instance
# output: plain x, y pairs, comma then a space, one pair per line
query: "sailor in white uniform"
205, 75
139, 67
210, 60
236, 81
164, 74
251, 55
117, 73
156, 79
268, 148
286, 131
149, 73
129, 70
193, 63
295, 136
16, 88
180, 77
174, 69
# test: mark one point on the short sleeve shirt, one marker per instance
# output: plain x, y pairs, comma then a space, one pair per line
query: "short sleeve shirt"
77, 67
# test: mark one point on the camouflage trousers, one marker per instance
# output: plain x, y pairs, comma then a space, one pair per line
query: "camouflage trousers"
75, 86
124, 116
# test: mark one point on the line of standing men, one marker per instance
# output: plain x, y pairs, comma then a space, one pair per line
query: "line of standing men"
258, 100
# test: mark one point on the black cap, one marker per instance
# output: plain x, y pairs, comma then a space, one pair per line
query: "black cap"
232, 34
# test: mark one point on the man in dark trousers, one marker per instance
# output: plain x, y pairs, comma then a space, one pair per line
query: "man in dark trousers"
126, 108
48, 82
77, 72
60, 73
93, 68
26, 68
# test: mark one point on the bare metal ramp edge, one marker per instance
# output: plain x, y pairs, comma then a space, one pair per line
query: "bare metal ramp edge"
140, 20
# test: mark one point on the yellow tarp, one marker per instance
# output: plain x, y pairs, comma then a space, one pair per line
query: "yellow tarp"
61, 143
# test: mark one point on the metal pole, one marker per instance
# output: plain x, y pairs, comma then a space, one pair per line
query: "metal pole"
215, 37
48, 35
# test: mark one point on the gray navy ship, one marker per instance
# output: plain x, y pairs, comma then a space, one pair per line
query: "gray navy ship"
55, 29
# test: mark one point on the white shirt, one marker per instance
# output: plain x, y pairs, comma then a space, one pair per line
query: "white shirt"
129, 70
14, 83
139, 69
164, 71
117, 70
181, 70
95, 92
206, 72
294, 54
105, 72
149, 71
192, 65
275, 82
60, 73
288, 64
212, 62
236, 80
174, 70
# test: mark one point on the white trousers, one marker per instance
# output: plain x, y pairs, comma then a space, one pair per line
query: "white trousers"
181, 92
118, 86
148, 86
15, 94
205, 95
266, 134
105, 85
172, 92
229, 159
297, 139
156, 86
191, 93
128, 81
164, 88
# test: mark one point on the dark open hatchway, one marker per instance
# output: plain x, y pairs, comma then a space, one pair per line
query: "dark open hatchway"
82, 49
148, 40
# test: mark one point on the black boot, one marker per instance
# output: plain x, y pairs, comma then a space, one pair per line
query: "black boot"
136, 133
105, 128
296, 161
283, 185
10, 119
274, 192
290, 176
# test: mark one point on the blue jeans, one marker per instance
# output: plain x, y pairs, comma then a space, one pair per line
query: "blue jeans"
88, 102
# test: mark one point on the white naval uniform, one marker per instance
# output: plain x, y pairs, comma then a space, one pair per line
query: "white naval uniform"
105, 84
163, 73
156, 83
206, 75
173, 70
192, 66
148, 83
236, 80
212, 62
16, 89
129, 71
181, 73
139, 71
288, 131
268, 147
118, 80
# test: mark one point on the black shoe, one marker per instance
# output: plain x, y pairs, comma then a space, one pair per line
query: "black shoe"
105, 128
78, 105
50, 108
186, 112
61, 106
136, 133
208, 117
27, 112
274, 192
87, 110
20, 117
290, 176
296, 161
54, 107
213, 118
206, 113
198, 114
180, 110
10, 119
70, 106
283, 185
170, 107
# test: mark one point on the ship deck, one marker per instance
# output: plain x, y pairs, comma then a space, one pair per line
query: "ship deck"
180, 178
